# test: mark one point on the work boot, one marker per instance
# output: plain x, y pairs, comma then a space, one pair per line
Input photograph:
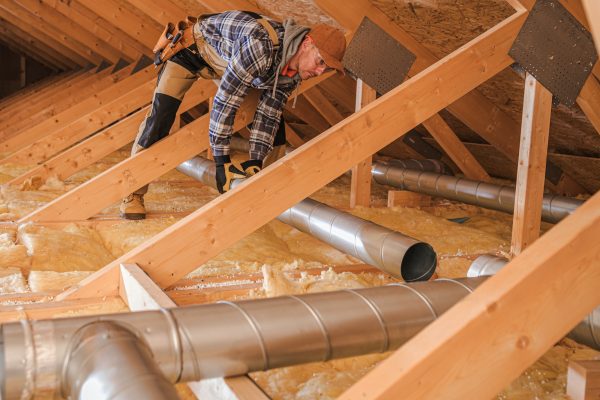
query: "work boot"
132, 207
226, 172
251, 167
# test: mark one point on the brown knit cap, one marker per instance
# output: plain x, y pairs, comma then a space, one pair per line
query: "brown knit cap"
331, 44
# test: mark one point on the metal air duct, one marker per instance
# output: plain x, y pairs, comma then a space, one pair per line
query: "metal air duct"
586, 332
216, 340
496, 197
394, 253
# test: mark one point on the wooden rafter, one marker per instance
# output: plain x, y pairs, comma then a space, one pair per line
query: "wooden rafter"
592, 11
474, 109
360, 183
315, 164
508, 322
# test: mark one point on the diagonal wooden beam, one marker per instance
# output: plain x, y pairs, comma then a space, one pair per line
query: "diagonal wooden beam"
85, 107
203, 234
527, 217
131, 174
474, 109
508, 322
105, 142
592, 12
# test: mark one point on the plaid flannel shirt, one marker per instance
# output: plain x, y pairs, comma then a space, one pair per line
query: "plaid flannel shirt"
252, 62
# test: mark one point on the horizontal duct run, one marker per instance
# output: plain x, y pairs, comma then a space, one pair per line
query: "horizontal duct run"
214, 340
487, 195
392, 252
586, 332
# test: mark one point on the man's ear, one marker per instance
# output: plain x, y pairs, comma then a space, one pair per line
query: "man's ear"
306, 43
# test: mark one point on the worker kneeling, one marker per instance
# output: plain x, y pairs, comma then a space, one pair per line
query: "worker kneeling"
244, 50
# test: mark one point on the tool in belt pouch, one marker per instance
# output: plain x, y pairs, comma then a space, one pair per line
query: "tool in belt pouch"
174, 39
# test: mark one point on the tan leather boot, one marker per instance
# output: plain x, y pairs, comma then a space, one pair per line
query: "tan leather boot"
132, 207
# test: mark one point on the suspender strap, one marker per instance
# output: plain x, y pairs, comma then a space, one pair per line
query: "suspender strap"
270, 30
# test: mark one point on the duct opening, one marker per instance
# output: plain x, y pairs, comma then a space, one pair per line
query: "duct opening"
419, 263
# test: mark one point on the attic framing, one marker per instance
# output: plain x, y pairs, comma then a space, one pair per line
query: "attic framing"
422, 368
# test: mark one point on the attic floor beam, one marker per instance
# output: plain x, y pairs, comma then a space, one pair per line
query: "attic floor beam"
133, 173
78, 112
592, 12
527, 217
176, 251
105, 142
360, 183
473, 109
141, 293
508, 322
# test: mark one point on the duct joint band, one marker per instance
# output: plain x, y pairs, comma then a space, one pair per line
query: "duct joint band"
177, 346
377, 312
421, 296
30, 357
250, 320
322, 328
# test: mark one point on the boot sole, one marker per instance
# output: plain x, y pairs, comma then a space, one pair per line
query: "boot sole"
132, 216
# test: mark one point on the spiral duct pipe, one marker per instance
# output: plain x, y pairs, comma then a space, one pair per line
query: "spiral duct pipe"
394, 253
586, 332
495, 197
217, 340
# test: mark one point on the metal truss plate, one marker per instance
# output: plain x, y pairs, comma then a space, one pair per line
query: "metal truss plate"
556, 49
377, 58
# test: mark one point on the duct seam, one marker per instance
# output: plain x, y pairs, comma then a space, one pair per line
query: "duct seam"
377, 312
456, 282
30, 357
421, 296
250, 320
177, 346
322, 328
381, 251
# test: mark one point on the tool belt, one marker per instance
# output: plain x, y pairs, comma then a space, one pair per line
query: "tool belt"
174, 39
178, 37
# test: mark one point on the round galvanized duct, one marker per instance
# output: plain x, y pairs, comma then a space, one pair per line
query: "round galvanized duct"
93, 366
586, 332
394, 253
496, 197
228, 339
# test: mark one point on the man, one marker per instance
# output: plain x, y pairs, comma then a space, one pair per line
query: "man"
244, 50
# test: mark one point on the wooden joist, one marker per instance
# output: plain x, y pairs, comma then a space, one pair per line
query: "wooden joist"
508, 322
177, 251
141, 293
592, 12
527, 217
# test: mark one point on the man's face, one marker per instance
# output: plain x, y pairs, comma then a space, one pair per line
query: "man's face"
310, 62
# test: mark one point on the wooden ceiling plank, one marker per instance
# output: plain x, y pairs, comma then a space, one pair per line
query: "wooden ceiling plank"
533, 154
455, 149
509, 322
142, 31
30, 20
49, 15
474, 109
83, 108
35, 40
99, 27
310, 167
160, 11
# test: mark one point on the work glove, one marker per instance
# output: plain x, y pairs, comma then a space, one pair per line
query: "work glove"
226, 172
251, 167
